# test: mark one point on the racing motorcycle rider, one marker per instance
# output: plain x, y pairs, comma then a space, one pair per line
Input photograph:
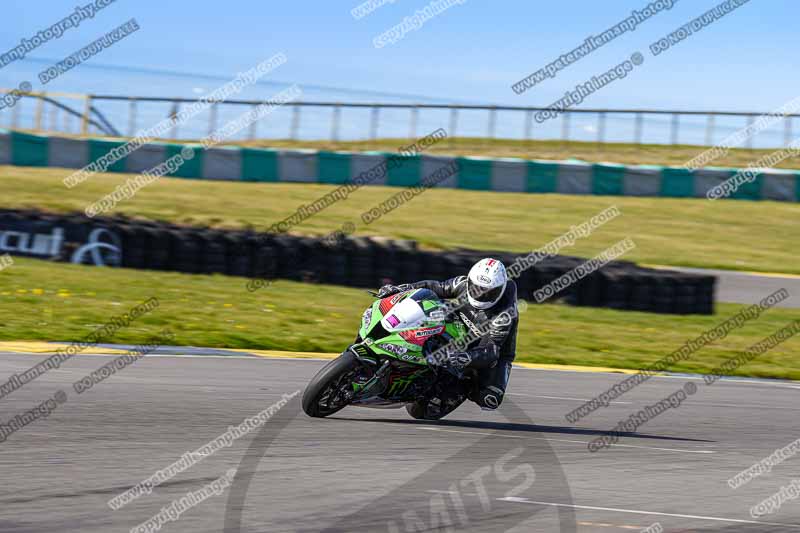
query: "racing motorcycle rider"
486, 303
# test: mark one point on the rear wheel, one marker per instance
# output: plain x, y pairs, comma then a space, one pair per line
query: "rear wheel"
426, 410
328, 391
444, 398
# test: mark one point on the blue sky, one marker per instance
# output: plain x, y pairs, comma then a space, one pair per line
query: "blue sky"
472, 52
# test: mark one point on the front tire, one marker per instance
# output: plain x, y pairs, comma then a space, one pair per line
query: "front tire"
322, 396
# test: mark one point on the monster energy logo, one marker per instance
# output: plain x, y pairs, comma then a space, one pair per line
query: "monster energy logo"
400, 385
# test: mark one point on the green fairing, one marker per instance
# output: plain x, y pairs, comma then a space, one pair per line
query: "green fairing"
376, 317
413, 353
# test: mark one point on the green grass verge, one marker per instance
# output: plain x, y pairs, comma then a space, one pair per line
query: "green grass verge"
47, 301
737, 235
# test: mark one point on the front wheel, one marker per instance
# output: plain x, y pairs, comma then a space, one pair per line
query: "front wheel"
327, 392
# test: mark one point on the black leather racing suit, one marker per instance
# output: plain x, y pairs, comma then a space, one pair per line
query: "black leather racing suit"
493, 353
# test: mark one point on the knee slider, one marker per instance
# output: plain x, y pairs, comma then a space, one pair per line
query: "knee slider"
490, 397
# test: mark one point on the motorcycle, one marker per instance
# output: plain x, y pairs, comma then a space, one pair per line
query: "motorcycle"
388, 364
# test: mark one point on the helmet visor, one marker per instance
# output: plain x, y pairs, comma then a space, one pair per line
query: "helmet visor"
482, 294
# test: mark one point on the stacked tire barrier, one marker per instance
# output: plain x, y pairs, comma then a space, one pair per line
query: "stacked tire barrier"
351, 261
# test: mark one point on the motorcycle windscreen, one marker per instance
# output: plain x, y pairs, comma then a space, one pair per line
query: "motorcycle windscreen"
408, 314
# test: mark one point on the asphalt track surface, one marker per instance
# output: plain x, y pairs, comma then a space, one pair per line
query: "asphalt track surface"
524, 468
750, 287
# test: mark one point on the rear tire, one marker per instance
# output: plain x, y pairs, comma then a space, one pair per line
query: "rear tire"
421, 410
418, 410
326, 379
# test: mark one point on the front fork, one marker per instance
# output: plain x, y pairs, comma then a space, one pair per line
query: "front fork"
378, 382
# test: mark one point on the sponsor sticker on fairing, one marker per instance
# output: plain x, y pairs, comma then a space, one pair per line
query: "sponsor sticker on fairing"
428, 332
397, 297
394, 348
437, 315
392, 320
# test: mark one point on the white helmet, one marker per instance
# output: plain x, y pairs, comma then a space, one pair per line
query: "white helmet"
486, 283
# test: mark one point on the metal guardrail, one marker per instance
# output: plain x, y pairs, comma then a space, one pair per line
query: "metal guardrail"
49, 103
104, 126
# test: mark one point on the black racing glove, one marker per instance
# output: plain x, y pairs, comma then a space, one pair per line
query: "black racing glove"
449, 360
388, 290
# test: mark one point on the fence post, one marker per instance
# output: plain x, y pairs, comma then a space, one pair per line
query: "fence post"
335, 123
453, 125
710, 129
132, 117
675, 126
373, 128
638, 128
87, 110
528, 124
601, 127
39, 110
750, 121
787, 131
565, 126
252, 131
15, 113
212, 119
173, 116
53, 118
412, 126
295, 123
492, 122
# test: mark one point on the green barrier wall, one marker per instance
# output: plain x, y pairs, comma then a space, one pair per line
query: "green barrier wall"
677, 183
334, 167
259, 165
29, 150
542, 177
608, 179
403, 171
474, 173
99, 148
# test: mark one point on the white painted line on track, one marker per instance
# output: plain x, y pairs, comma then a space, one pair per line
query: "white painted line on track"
514, 499
618, 526
697, 377
194, 356
660, 449
742, 406
556, 397
565, 440
161, 355
452, 492
694, 377
780, 385
287, 358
